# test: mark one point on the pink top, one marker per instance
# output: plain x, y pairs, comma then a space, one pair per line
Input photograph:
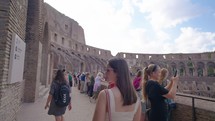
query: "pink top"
137, 82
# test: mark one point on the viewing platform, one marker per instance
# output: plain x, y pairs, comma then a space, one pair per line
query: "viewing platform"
83, 109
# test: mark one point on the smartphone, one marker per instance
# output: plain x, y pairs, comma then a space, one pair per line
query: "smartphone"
175, 74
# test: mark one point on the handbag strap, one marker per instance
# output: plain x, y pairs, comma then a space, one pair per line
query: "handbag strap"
108, 104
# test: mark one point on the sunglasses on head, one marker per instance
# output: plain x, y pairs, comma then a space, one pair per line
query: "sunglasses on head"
154, 68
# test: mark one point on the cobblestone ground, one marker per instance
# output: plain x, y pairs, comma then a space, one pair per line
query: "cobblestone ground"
82, 109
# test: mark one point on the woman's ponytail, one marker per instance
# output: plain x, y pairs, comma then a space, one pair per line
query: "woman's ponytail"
145, 79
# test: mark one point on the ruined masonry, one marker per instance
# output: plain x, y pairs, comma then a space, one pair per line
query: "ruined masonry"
43, 40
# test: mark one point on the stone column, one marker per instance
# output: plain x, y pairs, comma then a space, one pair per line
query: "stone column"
51, 69
195, 69
205, 71
33, 51
45, 56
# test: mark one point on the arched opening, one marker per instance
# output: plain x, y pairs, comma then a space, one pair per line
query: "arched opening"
211, 69
200, 69
190, 66
173, 68
181, 69
82, 67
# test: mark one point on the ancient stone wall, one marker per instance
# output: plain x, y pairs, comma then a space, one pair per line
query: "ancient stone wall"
63, 26
188, 64
34, 46
53, 39
68, 45
68, 33
175, 56
196, 71
13, 15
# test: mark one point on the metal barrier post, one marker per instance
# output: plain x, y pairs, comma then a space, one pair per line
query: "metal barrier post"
193, 110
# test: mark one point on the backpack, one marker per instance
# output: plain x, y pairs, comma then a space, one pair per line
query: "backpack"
61, 95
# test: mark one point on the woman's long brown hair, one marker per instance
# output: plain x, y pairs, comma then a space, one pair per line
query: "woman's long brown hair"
120, 67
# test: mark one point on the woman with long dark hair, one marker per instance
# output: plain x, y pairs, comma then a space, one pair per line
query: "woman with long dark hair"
156, 93
124, 103
50, 103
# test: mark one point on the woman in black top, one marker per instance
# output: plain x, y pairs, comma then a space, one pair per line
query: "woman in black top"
157, 93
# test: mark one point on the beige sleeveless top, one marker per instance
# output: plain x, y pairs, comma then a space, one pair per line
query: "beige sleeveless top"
120, 116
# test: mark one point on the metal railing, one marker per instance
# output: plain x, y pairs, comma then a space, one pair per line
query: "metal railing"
193, 97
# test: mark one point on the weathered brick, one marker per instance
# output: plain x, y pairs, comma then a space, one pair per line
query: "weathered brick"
10, 94
37, 23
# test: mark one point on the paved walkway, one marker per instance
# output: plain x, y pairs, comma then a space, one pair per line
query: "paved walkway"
82, 109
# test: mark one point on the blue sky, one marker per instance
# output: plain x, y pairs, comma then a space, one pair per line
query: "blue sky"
144, 26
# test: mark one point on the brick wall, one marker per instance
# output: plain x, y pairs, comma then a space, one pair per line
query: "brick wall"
32, 56
11, 98
12, 20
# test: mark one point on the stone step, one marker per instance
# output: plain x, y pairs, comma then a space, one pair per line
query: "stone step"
41, 87
43, 90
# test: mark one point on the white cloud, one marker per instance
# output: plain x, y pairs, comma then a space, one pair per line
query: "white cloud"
190, 40
108, 25
193, 40
169, 13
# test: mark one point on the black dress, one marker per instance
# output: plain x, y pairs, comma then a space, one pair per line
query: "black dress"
54, 109
158, 110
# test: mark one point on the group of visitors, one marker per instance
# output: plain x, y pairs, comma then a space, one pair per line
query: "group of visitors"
125, 100
89, 84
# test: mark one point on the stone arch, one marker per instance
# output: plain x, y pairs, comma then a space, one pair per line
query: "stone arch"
88, 63
61, 61
200, 69
69, 64
211, 69
81, 66
173, 67
190, 67
56, 59
51, 67
182, 69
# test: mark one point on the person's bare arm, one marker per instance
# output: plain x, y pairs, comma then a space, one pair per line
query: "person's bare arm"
70, 103
137, 115
169, 85
100, 110
48, 101
70, 106
171, 94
